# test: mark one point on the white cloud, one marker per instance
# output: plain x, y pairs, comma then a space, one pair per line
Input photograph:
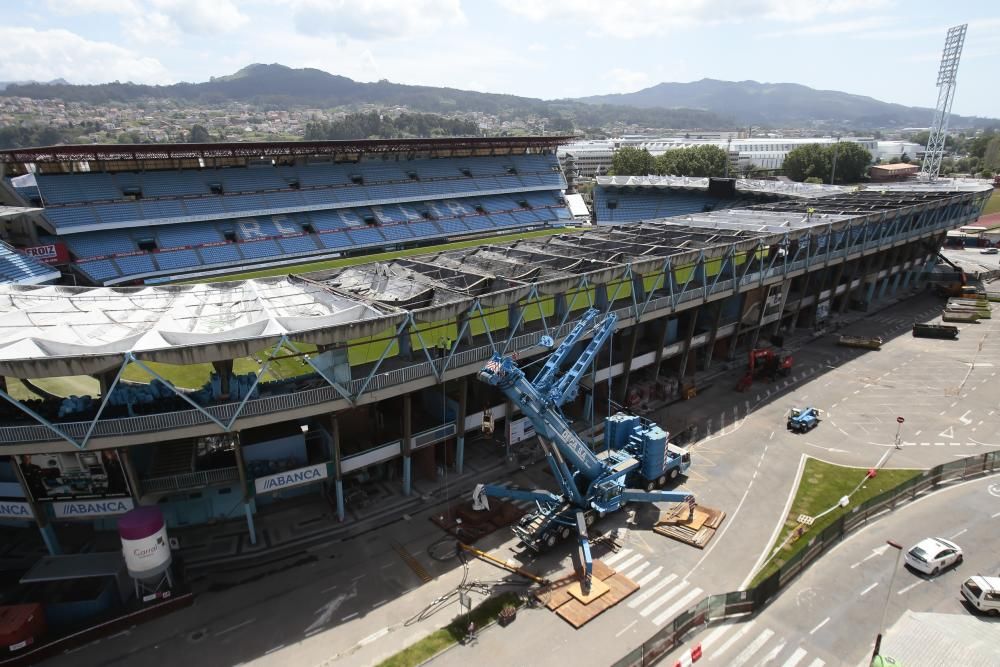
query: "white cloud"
625, 80
161, 20
646, 18
43, 55
375, 19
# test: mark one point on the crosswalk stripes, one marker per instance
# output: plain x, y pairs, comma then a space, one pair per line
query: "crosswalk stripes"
642, 597
764, 648
628, 562
750, 650
636, 571
735, 638
649, 577
795, 658
662, 600
678, 606
614, 558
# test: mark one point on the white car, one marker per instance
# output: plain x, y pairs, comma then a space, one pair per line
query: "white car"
933, 554
989, 251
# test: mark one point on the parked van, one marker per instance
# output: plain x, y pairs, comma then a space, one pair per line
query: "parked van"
983, 593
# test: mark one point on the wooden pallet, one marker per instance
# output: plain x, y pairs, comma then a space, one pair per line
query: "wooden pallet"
698, 532
608, 589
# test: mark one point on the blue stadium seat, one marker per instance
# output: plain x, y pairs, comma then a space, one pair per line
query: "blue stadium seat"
75, 216
193, 233
477, 222
123, 212
176, 259
336, 240
17, 268
96, 244
161, 208
204, 206
453, 226
424, 229
396, 232
220, 254
260, 249
296, 244
99, 270
135, 264
366, 236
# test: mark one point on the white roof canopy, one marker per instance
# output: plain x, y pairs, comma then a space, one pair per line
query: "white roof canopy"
45, 323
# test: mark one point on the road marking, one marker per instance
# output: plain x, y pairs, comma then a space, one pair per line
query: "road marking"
677, 606
617, 557
649, 577
821, 624
917, 433
961, 532
272, 650
635, 573
772, 654
625, 629
349, 616
663, 599
735, 638
652, 591
378, 634
856, 565
795, 658
629, 562
714, 636
906, 589
754, 646
995, 515
817, 663
869, 589
235, 627
965, 417
331, 588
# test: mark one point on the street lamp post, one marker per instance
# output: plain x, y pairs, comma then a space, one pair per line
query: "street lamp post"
833, 170
885, 607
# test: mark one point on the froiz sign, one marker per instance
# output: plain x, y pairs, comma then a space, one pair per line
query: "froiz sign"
290, 478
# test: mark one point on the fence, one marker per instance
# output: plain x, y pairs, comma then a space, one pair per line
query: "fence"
716, 608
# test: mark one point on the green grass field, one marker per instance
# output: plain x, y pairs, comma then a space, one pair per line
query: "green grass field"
821, 487
380, 257
993, 205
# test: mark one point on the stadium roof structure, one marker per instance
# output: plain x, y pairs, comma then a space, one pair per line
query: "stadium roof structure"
259, 149
79, 330
793, 189
51, 331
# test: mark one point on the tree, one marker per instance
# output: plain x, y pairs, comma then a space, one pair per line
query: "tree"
199, 135
631, 161
991, 155
814, 179
699, 161
749, 170
904, 158
816, 160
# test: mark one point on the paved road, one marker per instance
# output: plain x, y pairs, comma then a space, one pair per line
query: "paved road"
830, 614
348, 603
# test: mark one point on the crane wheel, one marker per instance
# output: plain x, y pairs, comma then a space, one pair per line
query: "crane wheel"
650, 485
662, 480
564, 533
674, 474
550, 540
589, 519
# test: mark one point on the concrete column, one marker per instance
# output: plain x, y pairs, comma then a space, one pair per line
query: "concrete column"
338, 478
241, 468
405, 344
693, 322
806, 284
710, 343
463, 391
863, 262
224, 369
513, 315
661, 336
41, 515
459, 323
3, 384
407, 434
125, 455
629, 353
106, 379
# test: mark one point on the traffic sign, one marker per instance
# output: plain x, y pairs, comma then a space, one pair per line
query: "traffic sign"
899, 420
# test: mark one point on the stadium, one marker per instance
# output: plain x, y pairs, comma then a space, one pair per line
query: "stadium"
353, 384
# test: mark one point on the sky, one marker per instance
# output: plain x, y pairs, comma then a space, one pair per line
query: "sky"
888, 49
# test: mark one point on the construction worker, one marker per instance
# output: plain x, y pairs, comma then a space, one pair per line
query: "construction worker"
809, 212
442, 345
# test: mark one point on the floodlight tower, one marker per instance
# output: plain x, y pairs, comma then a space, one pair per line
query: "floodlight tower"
946, 95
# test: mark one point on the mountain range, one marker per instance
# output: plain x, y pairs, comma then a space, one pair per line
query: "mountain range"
705, 104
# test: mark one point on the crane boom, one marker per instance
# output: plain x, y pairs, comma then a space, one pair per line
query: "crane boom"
547, 376
565, 389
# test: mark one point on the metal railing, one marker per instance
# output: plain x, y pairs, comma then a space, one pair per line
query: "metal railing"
715, 608
190, 480
297, 399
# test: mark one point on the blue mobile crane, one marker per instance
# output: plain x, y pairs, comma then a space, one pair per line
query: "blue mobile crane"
636, 452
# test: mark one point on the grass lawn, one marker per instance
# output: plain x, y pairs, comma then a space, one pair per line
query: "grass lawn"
379, 257
993, 205
821, 487
454, 632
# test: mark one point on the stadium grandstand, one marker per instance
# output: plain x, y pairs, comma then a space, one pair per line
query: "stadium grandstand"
214, 401
18, 267
132, 214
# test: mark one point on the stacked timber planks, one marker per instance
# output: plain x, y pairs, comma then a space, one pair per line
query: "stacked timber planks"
697, 532
565, 599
